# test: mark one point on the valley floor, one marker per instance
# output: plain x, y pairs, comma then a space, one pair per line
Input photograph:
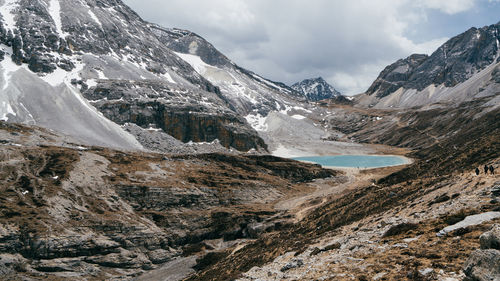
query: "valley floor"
89, 213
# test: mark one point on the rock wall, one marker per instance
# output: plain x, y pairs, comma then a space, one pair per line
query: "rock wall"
186, 125
184, 113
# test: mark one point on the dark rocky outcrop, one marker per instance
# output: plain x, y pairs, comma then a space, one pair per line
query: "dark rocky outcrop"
491, 239
187, 125
483, 265
396, 75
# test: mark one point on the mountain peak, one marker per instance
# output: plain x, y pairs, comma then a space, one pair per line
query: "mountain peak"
454, 62
315, 89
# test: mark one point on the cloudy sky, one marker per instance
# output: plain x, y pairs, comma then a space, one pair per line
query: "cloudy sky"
346, 42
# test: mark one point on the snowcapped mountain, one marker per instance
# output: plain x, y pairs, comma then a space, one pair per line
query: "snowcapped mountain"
316, 89
269, 107
87, 68
453, 73
245, 91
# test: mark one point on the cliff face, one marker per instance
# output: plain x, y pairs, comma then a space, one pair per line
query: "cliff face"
229, 130
175, 110
187, 125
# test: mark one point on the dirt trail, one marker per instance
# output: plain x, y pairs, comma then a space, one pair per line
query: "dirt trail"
325, 189
174, 270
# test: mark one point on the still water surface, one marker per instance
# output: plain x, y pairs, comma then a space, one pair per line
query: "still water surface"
355, 161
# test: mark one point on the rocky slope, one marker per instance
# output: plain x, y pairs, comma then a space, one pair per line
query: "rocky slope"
89, 213
456, 71
316, 89
388, 229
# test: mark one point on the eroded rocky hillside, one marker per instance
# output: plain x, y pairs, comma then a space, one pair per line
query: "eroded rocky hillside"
80, 212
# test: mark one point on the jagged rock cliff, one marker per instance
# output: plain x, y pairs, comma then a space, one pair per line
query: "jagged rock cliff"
396, 75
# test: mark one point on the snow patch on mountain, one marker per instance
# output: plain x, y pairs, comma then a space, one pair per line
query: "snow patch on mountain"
257, 121
94, 17
288, 108
6, 110
169, 78
8, 66
61, 76
195, 61
7, 15
54, 10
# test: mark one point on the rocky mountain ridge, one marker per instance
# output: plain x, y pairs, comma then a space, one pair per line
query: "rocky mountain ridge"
247, 93
316, 89
443, 76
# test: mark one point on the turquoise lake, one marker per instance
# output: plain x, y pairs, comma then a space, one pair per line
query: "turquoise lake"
355, 161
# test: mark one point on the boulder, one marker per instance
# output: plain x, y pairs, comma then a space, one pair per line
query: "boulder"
483, 265
491, 239
292, 264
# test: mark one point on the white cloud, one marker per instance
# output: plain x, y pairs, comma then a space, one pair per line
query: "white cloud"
449, 6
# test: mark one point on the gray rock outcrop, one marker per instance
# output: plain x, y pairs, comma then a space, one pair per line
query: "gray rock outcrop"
484, 264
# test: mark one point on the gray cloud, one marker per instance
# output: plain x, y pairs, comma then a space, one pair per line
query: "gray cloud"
346, 42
